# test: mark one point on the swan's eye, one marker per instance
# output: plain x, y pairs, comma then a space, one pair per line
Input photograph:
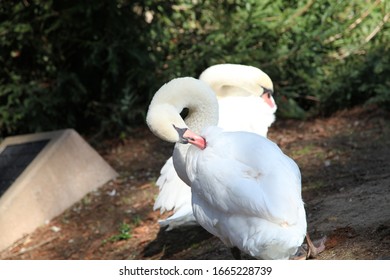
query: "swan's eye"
267, 91
184, 113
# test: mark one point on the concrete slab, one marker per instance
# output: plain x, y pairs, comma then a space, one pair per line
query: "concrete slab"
65, 170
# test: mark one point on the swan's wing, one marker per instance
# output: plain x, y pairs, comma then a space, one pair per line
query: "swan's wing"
273, 180
174, 193
250, 176
183, 216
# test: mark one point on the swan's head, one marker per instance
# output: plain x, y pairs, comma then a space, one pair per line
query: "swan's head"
239, 80
163, 117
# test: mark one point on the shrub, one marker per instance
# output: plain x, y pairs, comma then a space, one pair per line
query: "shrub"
94, 65
82, 64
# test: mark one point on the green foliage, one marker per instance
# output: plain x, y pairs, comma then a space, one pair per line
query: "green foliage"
321, 55
124, 233
81, 64
94, 65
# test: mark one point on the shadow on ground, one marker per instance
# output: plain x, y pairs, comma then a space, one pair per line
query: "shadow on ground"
344, 160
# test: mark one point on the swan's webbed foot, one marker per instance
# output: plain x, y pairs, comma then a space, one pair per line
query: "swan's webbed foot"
315, 247
311, 249
300, 255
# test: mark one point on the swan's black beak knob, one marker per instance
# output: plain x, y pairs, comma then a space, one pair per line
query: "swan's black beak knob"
267, 91
181, 131
187, 136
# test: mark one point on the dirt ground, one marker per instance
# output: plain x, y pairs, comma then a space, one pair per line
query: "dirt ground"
345, 165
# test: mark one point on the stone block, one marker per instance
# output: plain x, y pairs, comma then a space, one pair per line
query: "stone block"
64, 171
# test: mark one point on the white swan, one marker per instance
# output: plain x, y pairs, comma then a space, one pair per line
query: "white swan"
244, 189
245, 103
244, 96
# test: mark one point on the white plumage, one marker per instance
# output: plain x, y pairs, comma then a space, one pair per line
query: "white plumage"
244, 189
248, 193
242, 107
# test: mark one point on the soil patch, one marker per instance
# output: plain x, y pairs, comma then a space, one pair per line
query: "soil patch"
344, 160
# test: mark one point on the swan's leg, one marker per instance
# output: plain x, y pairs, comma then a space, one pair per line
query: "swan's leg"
236, 253
311, 249
300, 255
315, 249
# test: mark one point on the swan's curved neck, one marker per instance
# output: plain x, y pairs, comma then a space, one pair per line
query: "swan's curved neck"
200, 115
236, 80
164, 117
164, 110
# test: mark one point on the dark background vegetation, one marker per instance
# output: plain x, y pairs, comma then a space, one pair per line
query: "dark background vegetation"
94, 65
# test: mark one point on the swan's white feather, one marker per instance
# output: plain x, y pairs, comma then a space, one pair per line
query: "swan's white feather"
174, 195
240, 109
250, 113
248, 193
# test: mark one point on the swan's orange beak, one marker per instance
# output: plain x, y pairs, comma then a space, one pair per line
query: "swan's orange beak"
267, 97
195, 139
187, 136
